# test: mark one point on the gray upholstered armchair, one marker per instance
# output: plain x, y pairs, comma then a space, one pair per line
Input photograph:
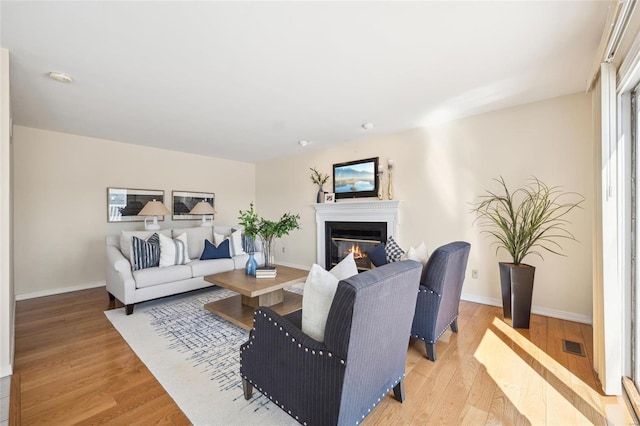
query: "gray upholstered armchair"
362, 358
439, 294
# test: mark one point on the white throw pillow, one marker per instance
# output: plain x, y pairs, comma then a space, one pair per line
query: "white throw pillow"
419, 254
236, 243
173, 251
319, 290
218, 238
346, 268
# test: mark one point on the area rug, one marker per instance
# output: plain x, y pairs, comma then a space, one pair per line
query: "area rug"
195, 355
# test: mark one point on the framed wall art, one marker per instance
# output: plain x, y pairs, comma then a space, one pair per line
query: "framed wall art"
185, 201
124, 204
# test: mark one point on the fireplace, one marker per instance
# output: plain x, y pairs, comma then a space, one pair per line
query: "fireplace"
343, 238
384, 211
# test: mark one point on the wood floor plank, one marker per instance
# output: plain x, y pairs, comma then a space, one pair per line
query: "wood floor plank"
72, 367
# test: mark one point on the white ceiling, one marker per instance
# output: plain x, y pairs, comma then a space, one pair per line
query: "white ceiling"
247, 80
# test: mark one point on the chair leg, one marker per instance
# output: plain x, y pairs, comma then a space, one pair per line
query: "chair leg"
454, 325
111, 297
128, 309
247, 389
431, 351
398, 391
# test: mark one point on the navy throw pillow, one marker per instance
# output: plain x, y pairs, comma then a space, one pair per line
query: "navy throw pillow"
212, 252
378, 255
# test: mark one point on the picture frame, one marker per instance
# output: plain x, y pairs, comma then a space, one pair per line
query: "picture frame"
329, 197
124, 204
356, 179
183, 201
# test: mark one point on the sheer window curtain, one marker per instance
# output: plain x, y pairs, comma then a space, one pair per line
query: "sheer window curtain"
608, 339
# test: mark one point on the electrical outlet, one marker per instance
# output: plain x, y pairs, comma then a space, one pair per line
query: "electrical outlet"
474, 273
283, 249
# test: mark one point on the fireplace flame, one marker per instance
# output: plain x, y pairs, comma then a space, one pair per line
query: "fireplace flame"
357, 253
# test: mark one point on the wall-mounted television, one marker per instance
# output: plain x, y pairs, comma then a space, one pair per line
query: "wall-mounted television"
355, 179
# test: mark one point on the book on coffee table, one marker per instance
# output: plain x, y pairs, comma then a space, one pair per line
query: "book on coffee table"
266, 272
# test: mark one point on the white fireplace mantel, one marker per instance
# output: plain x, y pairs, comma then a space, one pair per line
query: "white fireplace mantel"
354, 211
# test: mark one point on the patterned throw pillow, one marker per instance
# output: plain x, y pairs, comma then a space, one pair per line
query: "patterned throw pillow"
393, 250
145, 254
173, 251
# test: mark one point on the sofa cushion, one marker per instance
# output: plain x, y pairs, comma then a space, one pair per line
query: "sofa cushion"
126, 236
145, 254
173, 251
200, 268
319, 290
195, 238
154, 276
216, 252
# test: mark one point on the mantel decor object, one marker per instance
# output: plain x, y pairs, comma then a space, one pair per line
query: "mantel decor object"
521, 222
390, 188
380, 190
319, 179
267, 230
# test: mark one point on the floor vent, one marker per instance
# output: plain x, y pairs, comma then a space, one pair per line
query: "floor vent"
574, 348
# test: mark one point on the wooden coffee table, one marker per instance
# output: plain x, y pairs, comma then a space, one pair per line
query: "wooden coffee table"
255, 292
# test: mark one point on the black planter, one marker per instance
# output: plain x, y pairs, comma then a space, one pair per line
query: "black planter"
517, 288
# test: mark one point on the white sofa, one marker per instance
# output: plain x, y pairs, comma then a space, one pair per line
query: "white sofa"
131, 287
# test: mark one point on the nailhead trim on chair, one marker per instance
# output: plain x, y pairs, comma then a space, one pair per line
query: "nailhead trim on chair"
293, 340
306, 349
439, 335
429, 291
383, 395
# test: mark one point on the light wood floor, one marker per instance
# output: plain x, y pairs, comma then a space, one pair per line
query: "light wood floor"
72, 367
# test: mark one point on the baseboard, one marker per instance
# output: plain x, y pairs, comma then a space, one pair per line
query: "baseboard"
6, 370
60, 290
538, 310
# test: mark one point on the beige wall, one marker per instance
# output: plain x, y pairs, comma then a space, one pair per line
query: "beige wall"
7, 301
60, 200
440, 170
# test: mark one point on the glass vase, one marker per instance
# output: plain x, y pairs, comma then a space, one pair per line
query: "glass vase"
251, 265
266, 250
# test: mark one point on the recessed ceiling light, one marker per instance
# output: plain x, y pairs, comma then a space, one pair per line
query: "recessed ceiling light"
303, 143
367, 126
58, 76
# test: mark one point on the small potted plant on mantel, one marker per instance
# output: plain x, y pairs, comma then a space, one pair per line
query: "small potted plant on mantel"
521, 222
319, 179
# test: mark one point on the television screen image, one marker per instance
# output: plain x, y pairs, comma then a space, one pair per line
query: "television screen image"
356, 178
